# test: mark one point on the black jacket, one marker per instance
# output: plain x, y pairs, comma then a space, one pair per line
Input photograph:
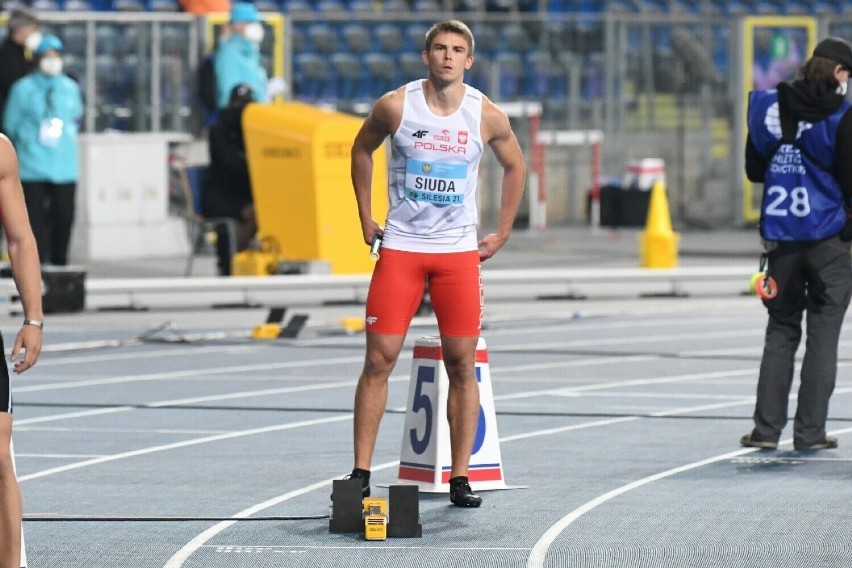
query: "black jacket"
227, 189
13, 66
800, 100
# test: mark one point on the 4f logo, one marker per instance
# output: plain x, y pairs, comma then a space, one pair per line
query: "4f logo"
420, 133
371, 320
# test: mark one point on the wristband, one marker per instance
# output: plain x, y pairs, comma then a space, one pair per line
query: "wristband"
38, 324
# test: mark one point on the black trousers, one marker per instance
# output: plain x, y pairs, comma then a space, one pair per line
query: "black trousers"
813, 278
51, 210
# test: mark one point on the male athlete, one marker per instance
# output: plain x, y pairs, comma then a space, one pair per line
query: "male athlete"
438, 128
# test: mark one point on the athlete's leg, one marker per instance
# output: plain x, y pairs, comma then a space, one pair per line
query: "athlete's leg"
10, 500
371, 395
395, 292
455, 287
462, 398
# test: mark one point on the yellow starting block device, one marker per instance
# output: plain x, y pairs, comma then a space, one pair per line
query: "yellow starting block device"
375, 518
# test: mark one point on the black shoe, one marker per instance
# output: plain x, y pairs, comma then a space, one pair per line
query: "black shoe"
462, 495
364, 476
750, 441
828, 443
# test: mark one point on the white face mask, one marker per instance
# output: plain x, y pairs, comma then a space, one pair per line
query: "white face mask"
32, 41
841, 88
254, 32
50, 65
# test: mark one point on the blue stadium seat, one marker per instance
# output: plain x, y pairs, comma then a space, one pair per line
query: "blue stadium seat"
479, 76
486, 39
164, 6
349, 75
411, 67
415, 36
267, 6
107, 38
382, 73
297, 8
389, 37
539, 68
78, 6
297, 38
395, 7
173, 38
357, 38
427, 6
323, 38
74, 38
312, 80
330, 6
45, 5
515, 37
510, 70
128, 5
363, 7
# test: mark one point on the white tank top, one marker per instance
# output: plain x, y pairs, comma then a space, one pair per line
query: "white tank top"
433, 173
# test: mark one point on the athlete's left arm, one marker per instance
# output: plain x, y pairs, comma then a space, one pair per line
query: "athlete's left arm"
497, 132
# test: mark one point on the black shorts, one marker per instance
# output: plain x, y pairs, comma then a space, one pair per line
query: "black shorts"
5, 385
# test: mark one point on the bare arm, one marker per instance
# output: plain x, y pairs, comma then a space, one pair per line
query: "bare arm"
497, 132
382, 122
23, 253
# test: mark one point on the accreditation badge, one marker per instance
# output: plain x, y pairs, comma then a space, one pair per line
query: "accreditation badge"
50, 131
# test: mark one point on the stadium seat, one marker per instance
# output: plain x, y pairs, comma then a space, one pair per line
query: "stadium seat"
107, 39
415, 36
357, 38
395, 7
382, 73
74, 38
74, 66
164, 6
348, 71
45, 5
330, 7
411, 66
78, 6
128, 5
539, 66
515, 38
267, 6
298, 8
389, 38
311, 77
510, 69
479, 76
173, 37
322, 37
486, 38
427, 6
363, 8
297, 38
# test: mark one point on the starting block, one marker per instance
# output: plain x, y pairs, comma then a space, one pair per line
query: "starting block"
273, 329
377, 517
425, 458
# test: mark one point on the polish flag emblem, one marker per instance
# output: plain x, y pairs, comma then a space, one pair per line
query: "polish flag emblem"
462, 136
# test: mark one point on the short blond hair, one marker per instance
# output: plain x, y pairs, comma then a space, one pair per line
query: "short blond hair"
452, 26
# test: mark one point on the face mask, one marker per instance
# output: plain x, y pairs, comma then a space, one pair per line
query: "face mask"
254, 32
32, 41
50, 65
841, 88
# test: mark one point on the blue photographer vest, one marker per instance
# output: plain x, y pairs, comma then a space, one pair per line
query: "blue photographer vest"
802, 200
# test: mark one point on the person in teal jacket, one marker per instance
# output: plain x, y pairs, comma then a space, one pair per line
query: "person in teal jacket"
237, 58
41, 118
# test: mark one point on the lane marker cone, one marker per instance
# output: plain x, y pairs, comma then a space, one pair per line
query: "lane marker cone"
658, 243
425, 458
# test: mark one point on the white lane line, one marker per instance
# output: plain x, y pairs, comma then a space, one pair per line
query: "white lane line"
238, 548
118, 430
183, 401
155, 354
183, 444
189, 373
539, 552
59, 456
179, 557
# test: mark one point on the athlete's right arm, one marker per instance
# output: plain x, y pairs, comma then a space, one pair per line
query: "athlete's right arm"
381, 122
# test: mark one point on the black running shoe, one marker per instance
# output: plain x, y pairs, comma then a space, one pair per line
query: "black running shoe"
462, 495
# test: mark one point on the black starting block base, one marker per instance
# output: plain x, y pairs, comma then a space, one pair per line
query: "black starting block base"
404, 512
347, 509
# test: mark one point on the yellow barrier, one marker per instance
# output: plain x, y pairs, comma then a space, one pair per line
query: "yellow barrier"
299, 164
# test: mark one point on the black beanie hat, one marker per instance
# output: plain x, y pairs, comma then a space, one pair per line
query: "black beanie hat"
835, 49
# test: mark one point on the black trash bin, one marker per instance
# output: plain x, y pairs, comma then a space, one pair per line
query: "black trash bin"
620, 207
